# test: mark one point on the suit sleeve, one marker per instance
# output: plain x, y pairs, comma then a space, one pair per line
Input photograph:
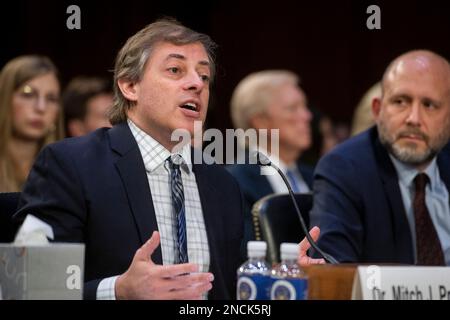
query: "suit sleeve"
337, 208
54, 194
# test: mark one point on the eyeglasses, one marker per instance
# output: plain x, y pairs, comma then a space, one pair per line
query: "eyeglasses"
32, 95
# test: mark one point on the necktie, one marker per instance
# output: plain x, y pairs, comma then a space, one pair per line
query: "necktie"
429, 250
176, 184
292, 180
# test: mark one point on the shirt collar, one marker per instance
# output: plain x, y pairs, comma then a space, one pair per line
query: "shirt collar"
406, 173
155, 154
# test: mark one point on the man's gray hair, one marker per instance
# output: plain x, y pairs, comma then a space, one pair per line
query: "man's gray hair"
254, 93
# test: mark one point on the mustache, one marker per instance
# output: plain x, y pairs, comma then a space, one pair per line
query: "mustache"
415, 132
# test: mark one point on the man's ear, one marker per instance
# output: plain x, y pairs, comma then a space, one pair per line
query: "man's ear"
129, 89
376, 108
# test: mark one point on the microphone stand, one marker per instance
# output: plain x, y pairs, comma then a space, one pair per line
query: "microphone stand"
266, 162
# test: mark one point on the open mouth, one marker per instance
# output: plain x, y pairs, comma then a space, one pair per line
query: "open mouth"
190, 106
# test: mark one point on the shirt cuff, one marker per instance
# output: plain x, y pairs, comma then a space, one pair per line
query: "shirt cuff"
106, 289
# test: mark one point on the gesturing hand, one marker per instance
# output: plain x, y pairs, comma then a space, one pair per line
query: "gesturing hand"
303, 258
146, 280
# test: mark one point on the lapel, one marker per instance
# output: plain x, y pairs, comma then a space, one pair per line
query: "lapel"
134, 178
443, 162
259, 185
210, 200
307, 173
208, 196
400, 227
253, 184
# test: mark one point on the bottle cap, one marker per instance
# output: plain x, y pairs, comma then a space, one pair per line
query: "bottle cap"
256, 249
289, 251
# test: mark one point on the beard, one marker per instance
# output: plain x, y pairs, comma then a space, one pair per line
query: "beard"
410, 153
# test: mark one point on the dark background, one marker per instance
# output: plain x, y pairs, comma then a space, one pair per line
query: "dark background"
326, 43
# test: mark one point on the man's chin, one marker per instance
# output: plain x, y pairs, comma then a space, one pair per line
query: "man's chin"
412, 155
187, 130
412, 144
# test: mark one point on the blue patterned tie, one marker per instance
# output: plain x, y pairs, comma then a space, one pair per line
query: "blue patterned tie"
178, 206
293, 181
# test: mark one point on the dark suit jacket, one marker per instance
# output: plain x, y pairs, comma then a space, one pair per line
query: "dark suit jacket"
358, 204
94, 189
254, 186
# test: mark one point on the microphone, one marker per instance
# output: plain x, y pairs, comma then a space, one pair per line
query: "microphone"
263, 160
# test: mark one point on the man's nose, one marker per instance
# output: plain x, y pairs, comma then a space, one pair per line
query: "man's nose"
307, 114
414, 116
304, 114
194, 82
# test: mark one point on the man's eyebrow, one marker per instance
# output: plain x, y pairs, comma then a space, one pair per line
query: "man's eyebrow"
204, 63
176, 56
181, 57
402, 96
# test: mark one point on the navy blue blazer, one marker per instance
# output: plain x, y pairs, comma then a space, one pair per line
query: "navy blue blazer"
358, 204
94, 189
254, 186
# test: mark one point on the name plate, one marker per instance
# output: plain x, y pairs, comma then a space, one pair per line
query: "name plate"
401, 283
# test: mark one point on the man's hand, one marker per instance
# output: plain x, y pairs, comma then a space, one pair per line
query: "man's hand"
303, 259
146, 280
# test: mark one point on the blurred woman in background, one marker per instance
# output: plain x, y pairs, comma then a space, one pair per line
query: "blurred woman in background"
30, 116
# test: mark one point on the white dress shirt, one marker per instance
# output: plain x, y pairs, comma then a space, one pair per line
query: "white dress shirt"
436, 199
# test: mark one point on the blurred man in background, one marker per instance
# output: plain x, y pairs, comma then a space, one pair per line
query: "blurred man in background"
86, 102
272, 99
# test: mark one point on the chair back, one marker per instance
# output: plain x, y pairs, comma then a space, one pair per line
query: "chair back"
276, 221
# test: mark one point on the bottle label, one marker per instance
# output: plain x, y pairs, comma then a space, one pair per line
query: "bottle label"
253, 287
289, 289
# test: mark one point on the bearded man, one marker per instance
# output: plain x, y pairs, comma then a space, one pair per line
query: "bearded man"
382, 197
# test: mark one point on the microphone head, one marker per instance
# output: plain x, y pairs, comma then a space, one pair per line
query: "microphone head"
260, 158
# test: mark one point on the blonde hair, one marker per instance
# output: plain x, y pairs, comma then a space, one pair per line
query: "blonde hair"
132, 58
254, 93
362, 116
13, 75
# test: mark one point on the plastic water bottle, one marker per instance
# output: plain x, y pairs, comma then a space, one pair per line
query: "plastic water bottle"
289, 280
254, 275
